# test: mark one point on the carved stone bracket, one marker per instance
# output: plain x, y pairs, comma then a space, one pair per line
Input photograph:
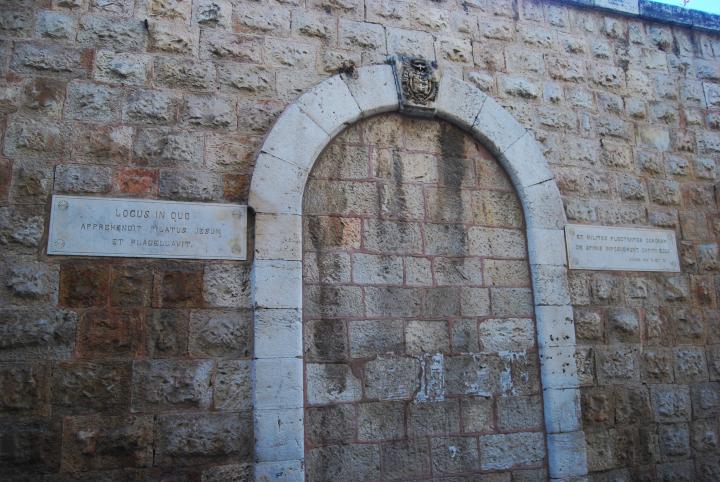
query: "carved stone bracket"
417, 82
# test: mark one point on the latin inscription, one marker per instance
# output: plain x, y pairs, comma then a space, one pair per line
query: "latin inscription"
93, 226
624, 249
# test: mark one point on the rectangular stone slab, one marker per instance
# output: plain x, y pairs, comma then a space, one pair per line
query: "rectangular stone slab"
621, 249
141, 228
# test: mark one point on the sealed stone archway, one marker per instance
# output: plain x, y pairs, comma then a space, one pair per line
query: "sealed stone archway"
276, 195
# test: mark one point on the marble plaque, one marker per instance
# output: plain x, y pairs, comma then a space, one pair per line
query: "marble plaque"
623, 249
140, 228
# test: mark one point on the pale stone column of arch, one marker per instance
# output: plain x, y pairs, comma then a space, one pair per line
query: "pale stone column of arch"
276, 192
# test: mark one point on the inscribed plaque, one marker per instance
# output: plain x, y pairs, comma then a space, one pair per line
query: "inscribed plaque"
140, 228
621, 249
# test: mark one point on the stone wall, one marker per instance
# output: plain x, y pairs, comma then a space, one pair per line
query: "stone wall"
419, 340
138, 370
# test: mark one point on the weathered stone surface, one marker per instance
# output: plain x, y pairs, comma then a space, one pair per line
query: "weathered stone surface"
380, 421
343, 462
171, 385
220, 334
392, 378
330, 383
453, 455
80, 388
183, 440
233, 386
332, 424
98, 442
505, 451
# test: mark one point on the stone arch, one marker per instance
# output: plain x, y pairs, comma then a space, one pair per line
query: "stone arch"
301, 133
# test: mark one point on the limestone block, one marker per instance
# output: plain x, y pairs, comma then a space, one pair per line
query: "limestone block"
520, 413
511, 302
278, 333
82, 179
88, 101
458, 101
566, 454
363, 36
670, 403
375, 337
496, 128
451, 455
278, 236
296, 138
546, 246
504, 451
151, 107
674, 441
392, 378
190, 185
331, 424
220, 333
406, 459
558, 368
121, 68
263, 20
426, 337
550, 285
381, 421
277, 283
189, 440
333, 301
171, 385
279, 383
327, 383
506, 335
32, 334
373, 88
173, 38
705, 399
555, 326
283, 471
56, 60
562, 409
277, 186
122, 35
331, 105
233, 386
543, 206
279, 435
377, 269
344, 462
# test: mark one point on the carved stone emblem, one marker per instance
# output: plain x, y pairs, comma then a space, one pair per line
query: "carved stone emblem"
418, 81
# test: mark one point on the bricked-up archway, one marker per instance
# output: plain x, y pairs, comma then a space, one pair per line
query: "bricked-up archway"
282, 168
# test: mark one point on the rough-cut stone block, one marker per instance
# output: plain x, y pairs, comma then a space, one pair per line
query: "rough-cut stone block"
380, 421
392, 378
188, 440
99, 442
37, 334
511, 450
190, 185
233, 386
670, 403
375, 337
172, 385
279, 435
453, 455
406, 459
220, 333
331, 383
227, 285
343, 462
506, 335
91, 387
25, 389
331, 424
82, 179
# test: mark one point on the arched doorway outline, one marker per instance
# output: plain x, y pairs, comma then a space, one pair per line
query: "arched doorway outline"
282, 167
